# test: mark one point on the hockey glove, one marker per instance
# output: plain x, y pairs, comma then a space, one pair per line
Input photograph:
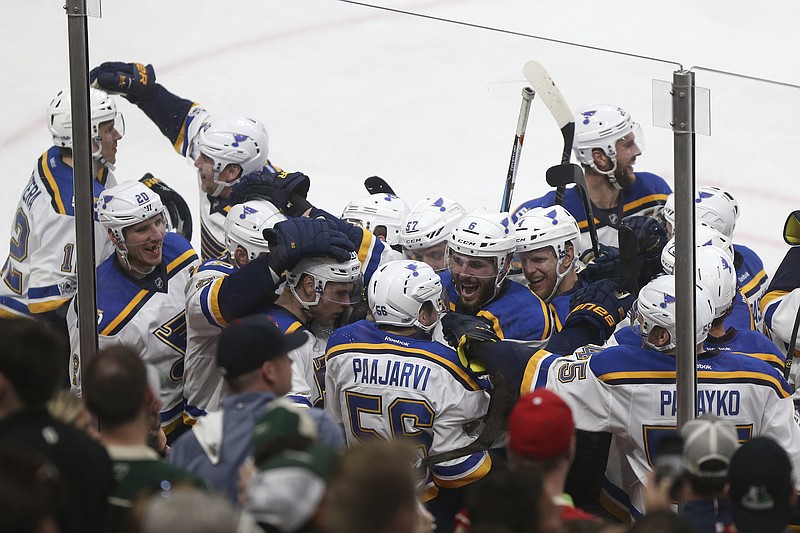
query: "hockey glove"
652, 237
601, 303
286, 191
297, 238
134, 81
460, 331
179, 215
604, 266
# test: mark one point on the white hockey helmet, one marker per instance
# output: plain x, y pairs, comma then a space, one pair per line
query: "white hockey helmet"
656, 306
717, 208
398, 290
102, 108
704, 235
546, 226
668, 210
324, 270
231, 139
245, 224
380, 209
123, 206
601, 126
715, 272
430, 222
484, 233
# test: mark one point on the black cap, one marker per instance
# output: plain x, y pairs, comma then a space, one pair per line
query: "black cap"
761, 486
251, 341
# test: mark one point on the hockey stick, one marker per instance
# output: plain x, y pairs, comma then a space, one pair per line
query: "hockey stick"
628, 250
790, 351
543, 84
516, 150
377, 185
560, 176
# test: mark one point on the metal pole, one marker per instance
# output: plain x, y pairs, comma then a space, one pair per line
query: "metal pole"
683, 130
82, 177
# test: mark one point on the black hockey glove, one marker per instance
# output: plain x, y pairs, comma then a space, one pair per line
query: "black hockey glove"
297, 238
180, 216
652, 237
460, 331
134, 81
604, 266
287, 191
602, 303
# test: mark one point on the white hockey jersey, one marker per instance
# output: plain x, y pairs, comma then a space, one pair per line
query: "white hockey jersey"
203, 383
396, 387
629, 391
39, 274
147, 315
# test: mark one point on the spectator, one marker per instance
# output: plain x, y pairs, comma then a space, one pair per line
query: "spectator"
116, 390
708, 445
30, 370
761, 487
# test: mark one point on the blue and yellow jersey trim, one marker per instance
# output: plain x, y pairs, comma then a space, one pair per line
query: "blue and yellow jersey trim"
181, 144
753, 285
385, 349
47, 299
57, 178
645, 201
210, 247
533, 372
469, 470
112, 324
209, 303
370, 250
668, 376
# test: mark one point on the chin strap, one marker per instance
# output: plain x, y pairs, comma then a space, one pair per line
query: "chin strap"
559, 278
609, 174
98, 156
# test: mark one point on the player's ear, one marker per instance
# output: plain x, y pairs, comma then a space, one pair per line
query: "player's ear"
308, 285
569, 254
231, 172
241, 256
600, 159
113, 238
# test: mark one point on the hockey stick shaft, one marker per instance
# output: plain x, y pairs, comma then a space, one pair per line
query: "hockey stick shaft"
549, 93
516, 150
790, 351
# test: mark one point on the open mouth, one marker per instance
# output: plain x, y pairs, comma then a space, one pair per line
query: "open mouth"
153, 249
469, 289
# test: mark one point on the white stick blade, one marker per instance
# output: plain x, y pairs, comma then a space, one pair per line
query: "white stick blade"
547, 90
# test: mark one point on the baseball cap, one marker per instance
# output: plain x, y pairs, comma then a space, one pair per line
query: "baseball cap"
709, 442
761, 485
540, 426
282, 420
289, 487
251, 341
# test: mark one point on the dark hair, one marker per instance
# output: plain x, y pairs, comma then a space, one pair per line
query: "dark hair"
114, 385
662, 522
509, 499
29, 490
31, 359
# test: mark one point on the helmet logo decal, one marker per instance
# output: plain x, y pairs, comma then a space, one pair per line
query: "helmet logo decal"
389, 197
587, 115
247, 210
440, 204
703, 195
413, 268
552, 214
668, 299
237, 138
504, 223
725, 264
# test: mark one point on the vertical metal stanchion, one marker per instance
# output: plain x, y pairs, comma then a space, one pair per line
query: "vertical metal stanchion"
83, 177
684, 139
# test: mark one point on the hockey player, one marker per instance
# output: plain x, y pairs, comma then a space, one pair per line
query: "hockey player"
424, 234
40, 273
607, 143
141, 301
740, 315
222, 290
479, 251
388, 379
222, 149
630, 390
720, 210
383, 214
546, 239
318, 293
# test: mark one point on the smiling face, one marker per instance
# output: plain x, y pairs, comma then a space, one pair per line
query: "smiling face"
144, 243
475, 279
539, 267
627, 151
